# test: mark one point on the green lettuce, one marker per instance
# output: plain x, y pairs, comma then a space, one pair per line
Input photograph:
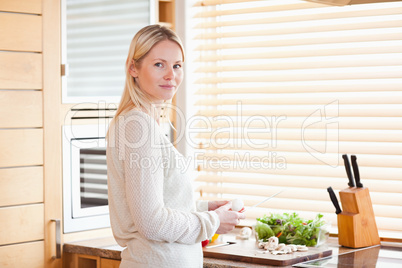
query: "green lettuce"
291, 229
264, 231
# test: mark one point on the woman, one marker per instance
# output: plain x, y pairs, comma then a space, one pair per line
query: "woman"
151, 204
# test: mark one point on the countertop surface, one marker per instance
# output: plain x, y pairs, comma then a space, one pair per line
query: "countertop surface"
107, 248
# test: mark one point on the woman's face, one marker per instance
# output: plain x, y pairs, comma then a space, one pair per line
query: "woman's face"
160, 73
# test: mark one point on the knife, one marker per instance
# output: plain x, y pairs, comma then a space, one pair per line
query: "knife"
356, 171
221, 245
348, 170
334, 200
266, 199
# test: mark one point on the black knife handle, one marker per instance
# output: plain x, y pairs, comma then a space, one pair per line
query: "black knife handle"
356, 171
348, 170
334, 200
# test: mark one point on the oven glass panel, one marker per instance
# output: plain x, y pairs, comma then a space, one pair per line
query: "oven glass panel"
93, 177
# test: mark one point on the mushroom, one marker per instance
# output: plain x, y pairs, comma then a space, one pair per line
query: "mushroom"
302, 248
245, 232
280, 247
292, 247
272, 243
277, 248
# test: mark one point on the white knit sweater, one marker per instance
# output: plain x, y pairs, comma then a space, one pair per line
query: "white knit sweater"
151, 203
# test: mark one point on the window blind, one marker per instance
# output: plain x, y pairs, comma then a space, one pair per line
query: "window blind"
283, 89
96, 39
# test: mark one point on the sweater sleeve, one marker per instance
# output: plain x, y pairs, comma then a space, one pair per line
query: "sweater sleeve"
144, 179
202, 205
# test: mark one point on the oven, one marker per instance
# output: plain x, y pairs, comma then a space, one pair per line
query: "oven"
85, 200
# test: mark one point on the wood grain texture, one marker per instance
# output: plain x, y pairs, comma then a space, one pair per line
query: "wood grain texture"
357, 227
20, 70
52, 127
21, 147
22, 255
247, 251
23, 224
85, 261
21, 186
20, 32
21, 6
108, 263
68, 259
20, 109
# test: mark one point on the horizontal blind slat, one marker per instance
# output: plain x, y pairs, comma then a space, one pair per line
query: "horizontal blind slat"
312, 51
375, 148
306, 87
373, 173
305, 135
387, 123
350, 37
245, 157
309, 63
220, 2
310, 75
271, 8
390, 199
293, 29
298, 181
389, 110
303, 99
352, 13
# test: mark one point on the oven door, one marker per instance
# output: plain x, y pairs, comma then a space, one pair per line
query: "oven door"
85, 201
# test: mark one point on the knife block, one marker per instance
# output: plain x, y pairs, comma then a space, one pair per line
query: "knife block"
356, 223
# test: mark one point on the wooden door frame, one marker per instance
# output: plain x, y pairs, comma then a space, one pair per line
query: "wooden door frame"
51, 12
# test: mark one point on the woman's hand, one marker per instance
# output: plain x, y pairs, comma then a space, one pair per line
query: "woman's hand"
212, 205
228, 218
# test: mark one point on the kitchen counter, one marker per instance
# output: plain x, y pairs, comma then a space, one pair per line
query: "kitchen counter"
107, 248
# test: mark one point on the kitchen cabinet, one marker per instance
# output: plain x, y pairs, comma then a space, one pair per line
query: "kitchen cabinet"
22, 91
166, 13
73, 260
98, 28
109, 263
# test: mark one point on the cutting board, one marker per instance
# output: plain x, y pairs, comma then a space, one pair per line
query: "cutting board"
248, 251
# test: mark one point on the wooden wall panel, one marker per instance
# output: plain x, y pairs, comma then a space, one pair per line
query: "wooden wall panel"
23, 255
21, 6
20, 70
109, 263
20, 109
22, 185
21, 147
23, 32
24, 223
21, 188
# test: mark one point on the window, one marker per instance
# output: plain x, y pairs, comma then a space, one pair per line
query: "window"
283, 89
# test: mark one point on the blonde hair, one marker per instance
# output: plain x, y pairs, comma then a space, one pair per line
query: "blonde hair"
141, 44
